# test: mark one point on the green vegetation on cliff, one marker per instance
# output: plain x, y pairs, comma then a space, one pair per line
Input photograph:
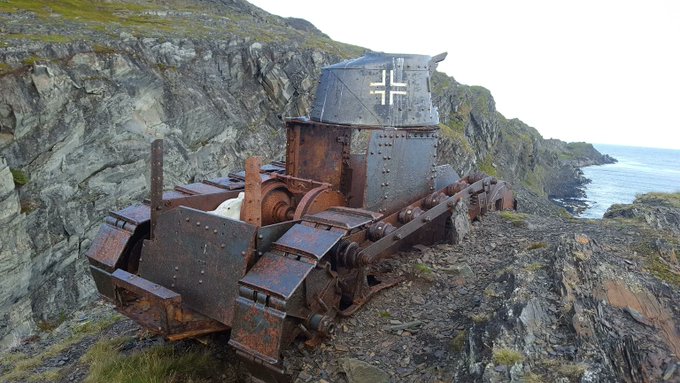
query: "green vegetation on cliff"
658, 214
63, 21
661, 199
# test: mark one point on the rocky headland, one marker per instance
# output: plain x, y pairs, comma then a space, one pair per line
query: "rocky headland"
85, 88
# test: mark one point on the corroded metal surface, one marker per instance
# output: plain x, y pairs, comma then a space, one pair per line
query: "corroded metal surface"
204, 263
108, 247
251, 212
400, 167
308, 241
378, 89
277, 275
310, 233
156, 182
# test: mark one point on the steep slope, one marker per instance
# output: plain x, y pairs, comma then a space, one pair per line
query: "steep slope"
86, 86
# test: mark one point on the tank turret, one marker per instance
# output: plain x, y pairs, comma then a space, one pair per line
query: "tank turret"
378, 90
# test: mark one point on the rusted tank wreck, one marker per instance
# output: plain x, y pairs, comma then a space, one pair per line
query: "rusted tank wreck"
278, 252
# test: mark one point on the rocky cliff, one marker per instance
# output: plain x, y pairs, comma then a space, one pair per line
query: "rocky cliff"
86, 87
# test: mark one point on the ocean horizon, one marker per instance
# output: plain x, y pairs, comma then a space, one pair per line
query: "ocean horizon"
639, 170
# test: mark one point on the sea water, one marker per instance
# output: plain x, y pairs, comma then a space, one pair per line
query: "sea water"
639, 170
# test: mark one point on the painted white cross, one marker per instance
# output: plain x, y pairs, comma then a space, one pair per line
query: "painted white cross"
392, 84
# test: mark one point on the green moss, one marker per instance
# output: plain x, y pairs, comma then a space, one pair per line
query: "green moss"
534, 180
50, 38
507, 357
163, 67
458, 342
576, 150
85, 19
76, 10
534, 267
441, 83
663, 199
102, 49
5, 69
490, 292
565, 214
661, 270
482, 101
563, 368
32, 60
646, 248
488, 167
20, 177
457, 135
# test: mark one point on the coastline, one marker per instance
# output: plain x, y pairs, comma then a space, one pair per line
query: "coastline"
570, 192
640, 170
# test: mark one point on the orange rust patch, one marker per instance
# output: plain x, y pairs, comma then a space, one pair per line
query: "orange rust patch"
582, 239
618, 295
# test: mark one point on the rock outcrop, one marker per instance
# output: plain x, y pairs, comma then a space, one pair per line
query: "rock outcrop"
78, 109
526, 298
658, 210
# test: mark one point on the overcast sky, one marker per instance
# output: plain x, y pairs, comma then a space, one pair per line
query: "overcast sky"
596, 71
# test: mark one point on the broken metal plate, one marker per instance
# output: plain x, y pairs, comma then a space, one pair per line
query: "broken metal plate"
277, 274
108, 246
135, 214
141, 286
308, 240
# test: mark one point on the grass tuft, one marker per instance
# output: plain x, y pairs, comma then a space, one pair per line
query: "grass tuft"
422, 268
537, 245
534, 267
384, 314
507, 357
517, 219
458, 342
480, 318
161, 363
571, 371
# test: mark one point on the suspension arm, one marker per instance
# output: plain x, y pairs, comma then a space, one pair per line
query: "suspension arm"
371, 254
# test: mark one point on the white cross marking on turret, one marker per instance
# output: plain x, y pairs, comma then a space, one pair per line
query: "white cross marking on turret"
392, 84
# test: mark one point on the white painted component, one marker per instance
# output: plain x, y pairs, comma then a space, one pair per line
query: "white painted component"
230, 208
